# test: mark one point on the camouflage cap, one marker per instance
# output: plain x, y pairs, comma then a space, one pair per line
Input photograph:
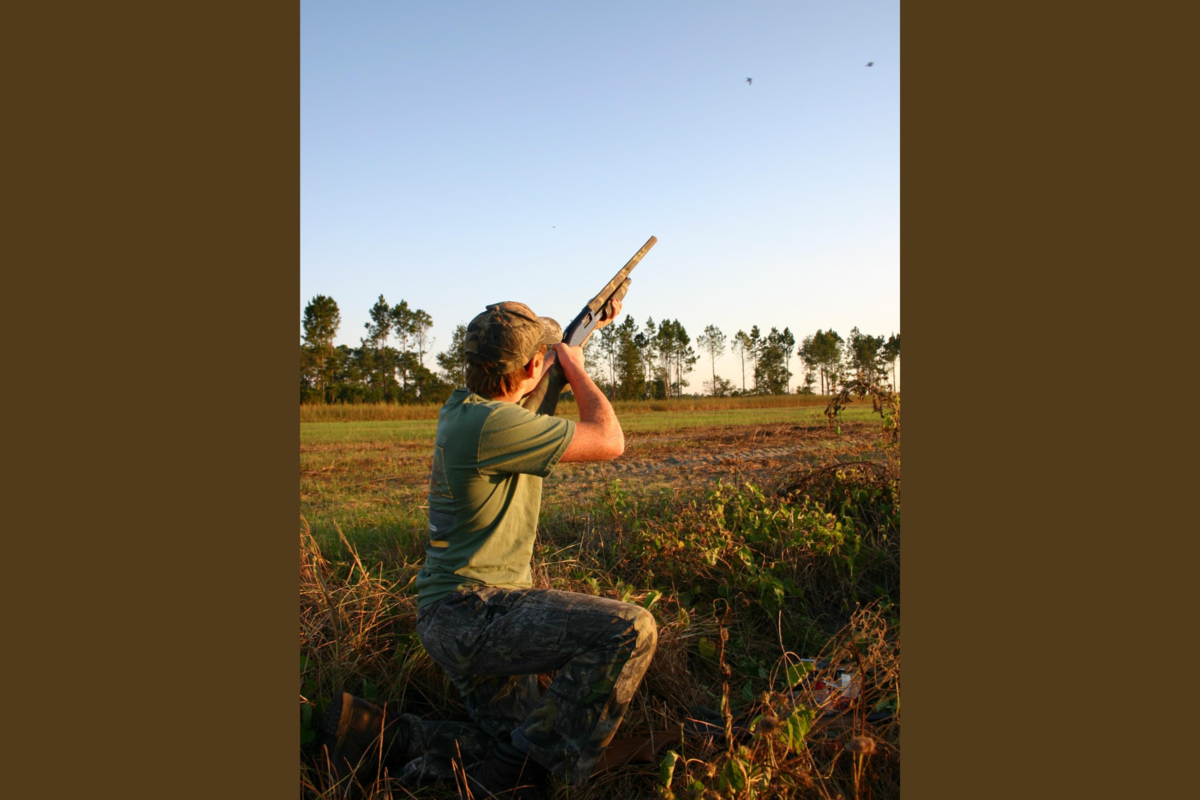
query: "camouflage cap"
507, 335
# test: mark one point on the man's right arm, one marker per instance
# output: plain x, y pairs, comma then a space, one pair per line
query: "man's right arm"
598, 435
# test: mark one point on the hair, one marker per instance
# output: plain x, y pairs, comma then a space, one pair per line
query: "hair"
482, 383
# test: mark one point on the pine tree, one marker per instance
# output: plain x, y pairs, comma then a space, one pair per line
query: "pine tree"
453, 361
712, 341
891, 352
321, 322
864, 356
628, 360
754, 343
741, 347
382, 365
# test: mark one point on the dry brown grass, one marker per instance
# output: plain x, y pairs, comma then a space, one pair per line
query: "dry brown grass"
356, 631
381, 412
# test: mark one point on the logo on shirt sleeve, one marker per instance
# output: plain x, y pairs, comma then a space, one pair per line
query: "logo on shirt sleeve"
439, 484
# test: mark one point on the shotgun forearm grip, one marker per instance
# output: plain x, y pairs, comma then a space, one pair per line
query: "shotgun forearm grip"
619, 294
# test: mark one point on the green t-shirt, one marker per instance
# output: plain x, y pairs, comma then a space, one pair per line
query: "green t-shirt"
485, 492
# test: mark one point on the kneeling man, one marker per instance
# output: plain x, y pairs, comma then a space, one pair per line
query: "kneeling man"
478, 615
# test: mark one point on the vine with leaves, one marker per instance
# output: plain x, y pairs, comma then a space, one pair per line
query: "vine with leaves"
884, 401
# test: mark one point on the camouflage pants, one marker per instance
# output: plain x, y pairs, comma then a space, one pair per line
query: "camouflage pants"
494, 642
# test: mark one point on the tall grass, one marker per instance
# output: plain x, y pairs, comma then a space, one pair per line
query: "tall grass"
366, 412
742, 581
381, 412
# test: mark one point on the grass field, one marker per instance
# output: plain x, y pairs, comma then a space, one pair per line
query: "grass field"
756, 535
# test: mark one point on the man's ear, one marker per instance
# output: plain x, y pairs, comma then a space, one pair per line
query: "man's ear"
533, 366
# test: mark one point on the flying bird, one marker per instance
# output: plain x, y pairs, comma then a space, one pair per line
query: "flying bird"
750, 81
870, 63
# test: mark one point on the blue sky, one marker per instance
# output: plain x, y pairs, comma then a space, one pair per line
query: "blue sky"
462, 153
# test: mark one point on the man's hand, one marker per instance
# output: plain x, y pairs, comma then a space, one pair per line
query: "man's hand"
612, 310
571, 359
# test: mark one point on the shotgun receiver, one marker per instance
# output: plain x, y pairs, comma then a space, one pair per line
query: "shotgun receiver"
544, 398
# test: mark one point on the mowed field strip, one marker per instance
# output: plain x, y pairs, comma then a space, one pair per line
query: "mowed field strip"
370, 477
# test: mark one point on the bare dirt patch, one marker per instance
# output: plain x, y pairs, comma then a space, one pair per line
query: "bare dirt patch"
385, 474
703, 456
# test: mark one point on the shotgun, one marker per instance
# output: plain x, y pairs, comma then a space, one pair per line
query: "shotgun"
544, 398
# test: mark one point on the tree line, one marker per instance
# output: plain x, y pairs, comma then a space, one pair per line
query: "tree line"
630, 361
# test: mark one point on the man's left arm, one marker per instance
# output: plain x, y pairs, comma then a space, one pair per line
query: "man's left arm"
598, 434
518, 441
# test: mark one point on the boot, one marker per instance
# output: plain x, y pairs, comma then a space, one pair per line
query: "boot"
507, 774
352, 733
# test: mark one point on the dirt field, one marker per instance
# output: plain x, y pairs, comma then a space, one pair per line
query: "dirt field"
367, 484
700, 456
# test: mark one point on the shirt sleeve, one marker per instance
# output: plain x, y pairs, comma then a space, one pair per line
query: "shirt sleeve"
517, 440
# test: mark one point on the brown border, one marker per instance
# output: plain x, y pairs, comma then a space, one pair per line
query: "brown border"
157, 250
251, 192
156, 167
952, 580
1014, 201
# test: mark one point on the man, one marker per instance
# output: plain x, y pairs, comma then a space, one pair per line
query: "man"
479, 616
